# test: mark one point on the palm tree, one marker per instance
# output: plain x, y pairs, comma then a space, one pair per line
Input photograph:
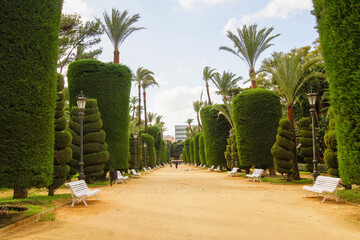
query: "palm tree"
227, 111
197, 107
151, 117
158, 119
189, 122
118, 28
249, 45
290, 72
225, 82
208, 74
133, 101
148, 81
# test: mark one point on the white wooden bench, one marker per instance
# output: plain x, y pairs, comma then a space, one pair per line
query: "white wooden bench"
233, 171
217, 169
133, 172
150, 169
256, 175
145, 170
80, 191
120, 178
212, 168
324, 185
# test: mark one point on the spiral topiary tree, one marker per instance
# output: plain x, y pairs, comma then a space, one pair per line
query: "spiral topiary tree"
139, 153
215, 131
202, 150
256, 115
156, 133
150, 149
196, 149
231, 153
63, 138
95, 147
306, 142
28, 53
110, 84
330, 154
283, 149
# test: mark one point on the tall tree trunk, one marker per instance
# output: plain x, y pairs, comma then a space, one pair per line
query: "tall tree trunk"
116, 56
20, 193
208, 93
253, 82
290, 116
139, 120
199, 124
145, 115
51, 191
192, 133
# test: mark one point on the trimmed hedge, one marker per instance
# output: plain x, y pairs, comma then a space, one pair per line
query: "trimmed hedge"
191, 146
63, 152
28, 54
163, 151
306, 142
196, 149
215, 131
156, 133
283, 149
338, 26
139, 153
187, 149
202, 149
95, 152
184, 155
150, 153
256, 117
110, 84
330, 154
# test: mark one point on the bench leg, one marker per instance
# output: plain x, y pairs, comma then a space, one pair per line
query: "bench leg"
96, 197
72, 205
84, 202
306, 194
324, 199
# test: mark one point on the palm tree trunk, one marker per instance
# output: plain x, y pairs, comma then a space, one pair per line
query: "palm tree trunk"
145, 115
139, 120
199, 124
192, 133
208, 93
290, 116
253, 82
116, 56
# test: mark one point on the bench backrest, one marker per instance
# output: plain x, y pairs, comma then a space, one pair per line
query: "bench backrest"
234, 170
119, 175
257, 172
328, 183
212, 167
77, 187
133, 171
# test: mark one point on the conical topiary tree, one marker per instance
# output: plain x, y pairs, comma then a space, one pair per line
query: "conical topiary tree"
95, 147
202, 149
63, 152
283, 149
306, 142
330, 154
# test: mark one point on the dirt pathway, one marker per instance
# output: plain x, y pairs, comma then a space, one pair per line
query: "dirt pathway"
187, 203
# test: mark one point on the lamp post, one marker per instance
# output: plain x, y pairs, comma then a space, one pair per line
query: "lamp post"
135, 161
81, 102
312, 100
145, 149
231, 147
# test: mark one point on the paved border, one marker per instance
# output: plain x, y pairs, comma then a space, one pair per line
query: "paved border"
32, 219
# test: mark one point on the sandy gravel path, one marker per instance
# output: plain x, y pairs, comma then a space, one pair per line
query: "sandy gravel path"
187, 203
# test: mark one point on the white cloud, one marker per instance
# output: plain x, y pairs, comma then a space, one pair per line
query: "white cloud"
80, 7
274, 9
190, 3
161, 80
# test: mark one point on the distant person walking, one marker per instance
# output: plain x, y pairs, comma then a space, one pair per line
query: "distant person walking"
176, 164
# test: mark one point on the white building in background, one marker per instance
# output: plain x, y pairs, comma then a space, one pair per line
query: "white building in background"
180, 132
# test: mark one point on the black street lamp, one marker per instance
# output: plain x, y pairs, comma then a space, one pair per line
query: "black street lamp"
145, 149
81, 102
231, 147
312, 100
135, 162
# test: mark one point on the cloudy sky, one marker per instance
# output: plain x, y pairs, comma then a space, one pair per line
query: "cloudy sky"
183, 36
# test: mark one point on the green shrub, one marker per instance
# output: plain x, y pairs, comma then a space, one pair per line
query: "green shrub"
338, 26
305, 140
62, 152
331, 154
156, 133
191, 147
28, 54
95, 152
202, 149
256, 117
231, 153
187, 149
215, 131
139, 153
196, 149
184, 155
283, 149
163, 153
150, 150
110, 84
